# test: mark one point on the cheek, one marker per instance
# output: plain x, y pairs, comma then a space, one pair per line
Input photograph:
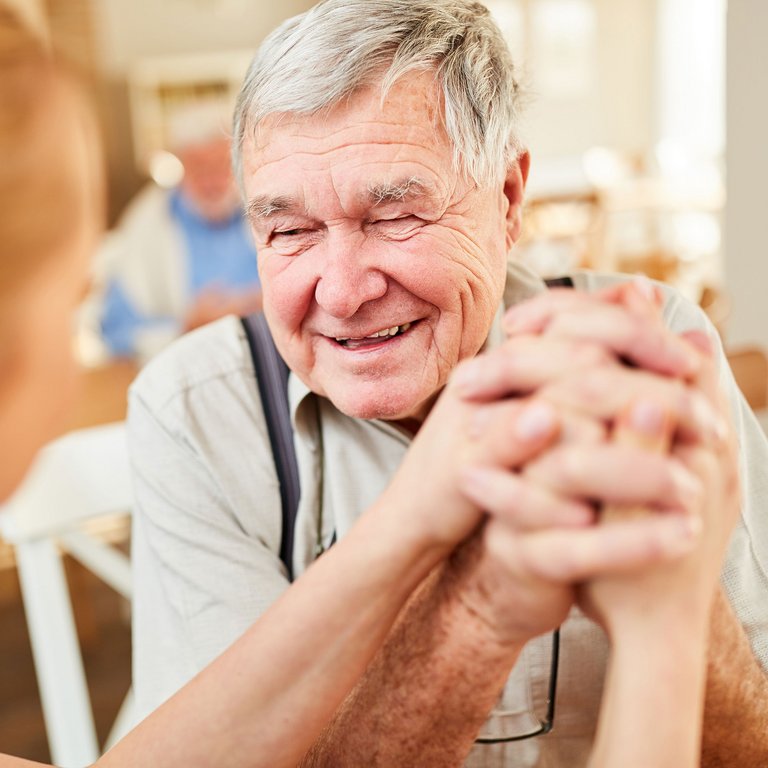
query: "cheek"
287, 292
451, 271
288, 288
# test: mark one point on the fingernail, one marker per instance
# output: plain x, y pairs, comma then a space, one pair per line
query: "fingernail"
720, 429
473, 480
536, 421
647, 417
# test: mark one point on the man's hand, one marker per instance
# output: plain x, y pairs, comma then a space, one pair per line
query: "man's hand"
541, 541
680, 592
215, 302
665, 603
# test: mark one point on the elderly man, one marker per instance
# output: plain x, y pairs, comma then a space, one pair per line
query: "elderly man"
383, 180
181, 257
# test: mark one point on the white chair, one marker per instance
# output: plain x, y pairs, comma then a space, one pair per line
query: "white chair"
74, 480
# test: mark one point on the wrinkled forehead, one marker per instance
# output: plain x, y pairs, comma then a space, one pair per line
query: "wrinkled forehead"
368, 140
415, 99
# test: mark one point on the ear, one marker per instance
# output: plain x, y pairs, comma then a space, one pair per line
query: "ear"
514, 191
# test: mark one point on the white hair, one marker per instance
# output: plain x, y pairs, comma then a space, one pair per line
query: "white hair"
315, 60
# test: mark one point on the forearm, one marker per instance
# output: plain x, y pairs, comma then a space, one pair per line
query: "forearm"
736, 706
652, 705
427, 693
6, 761
265, 700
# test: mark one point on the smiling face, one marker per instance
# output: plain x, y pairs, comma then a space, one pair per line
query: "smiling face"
381, 266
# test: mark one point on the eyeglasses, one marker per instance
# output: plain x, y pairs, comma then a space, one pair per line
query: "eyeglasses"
545, 725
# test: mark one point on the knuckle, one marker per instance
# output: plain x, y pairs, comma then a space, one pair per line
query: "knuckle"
586, 354
569, 465
590, 388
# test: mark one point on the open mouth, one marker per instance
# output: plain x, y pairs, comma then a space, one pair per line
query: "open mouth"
379, 337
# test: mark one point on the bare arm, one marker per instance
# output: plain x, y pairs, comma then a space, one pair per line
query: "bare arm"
264, 701
652, 702
261, 702
674, 627
391, 718
425, 696
654, 694
736, 704
659, 722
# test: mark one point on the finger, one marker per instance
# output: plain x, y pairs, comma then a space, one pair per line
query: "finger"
647, 426
497, 427
523, 364
606, 392
700, 340
533, 315
508, 433
627, 334
519, 503
639, 295
722, 472
576, 554
616, 474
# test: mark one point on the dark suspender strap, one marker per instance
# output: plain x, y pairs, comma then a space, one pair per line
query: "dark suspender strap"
559, 282
272, 377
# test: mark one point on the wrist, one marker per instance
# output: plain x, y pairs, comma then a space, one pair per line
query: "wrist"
465, 611
688, 617
434, 526
503, 614
678, 631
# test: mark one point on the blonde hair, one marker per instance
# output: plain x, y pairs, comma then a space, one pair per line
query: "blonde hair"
42, 195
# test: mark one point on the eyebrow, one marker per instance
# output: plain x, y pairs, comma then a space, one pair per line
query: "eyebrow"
263, 206
398, 191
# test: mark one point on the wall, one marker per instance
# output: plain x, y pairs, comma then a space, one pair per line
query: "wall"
133, 28
617, 110
126, 30
746, 244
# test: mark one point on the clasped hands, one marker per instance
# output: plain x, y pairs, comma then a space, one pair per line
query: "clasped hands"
592, 457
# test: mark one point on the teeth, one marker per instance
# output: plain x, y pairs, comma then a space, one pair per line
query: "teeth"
393, 331
386, 332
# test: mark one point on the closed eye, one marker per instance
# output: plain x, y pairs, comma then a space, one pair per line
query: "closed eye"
290, 242
400, 227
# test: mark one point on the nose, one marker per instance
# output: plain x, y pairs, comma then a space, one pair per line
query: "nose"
349, 277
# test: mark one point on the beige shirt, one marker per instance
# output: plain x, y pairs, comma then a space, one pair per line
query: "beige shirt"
207, 526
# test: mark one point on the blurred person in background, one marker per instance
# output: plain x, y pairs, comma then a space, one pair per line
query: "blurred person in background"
265, 700
179, 257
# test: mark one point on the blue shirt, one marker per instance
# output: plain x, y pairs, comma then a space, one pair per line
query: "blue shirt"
219, 255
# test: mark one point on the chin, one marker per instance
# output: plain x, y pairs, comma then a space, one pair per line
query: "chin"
382, 405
